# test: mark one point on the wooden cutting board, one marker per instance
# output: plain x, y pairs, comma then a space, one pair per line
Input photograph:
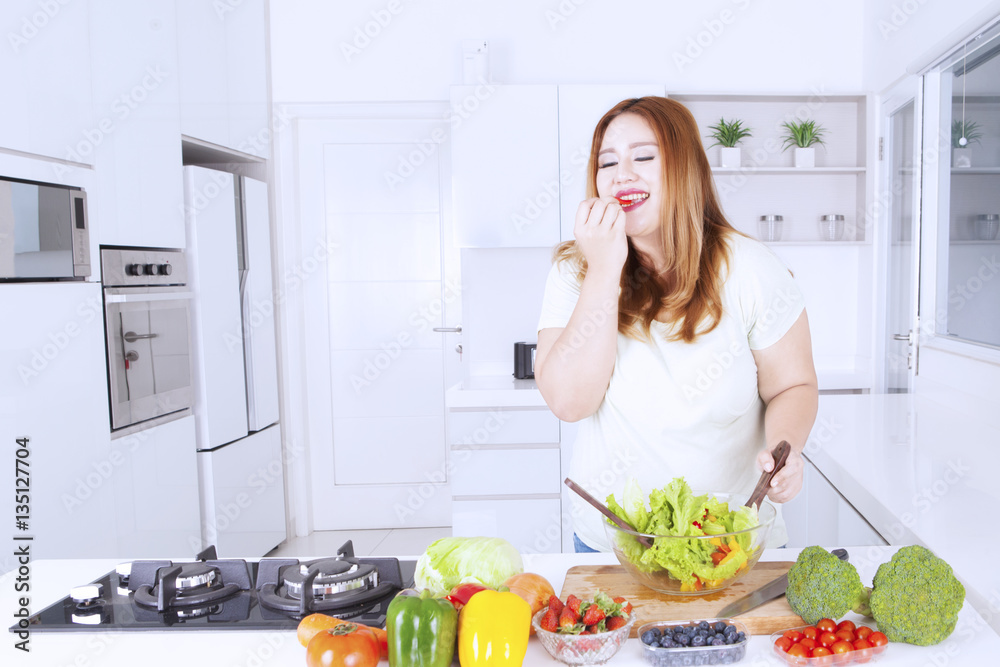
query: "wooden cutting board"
585, 580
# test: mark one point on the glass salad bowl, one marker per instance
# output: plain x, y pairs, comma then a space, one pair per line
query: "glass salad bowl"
668, 570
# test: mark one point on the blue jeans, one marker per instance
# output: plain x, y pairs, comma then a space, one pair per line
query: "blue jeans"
580, 547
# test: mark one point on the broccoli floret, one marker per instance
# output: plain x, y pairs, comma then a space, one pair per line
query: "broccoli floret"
820, 585
916, 597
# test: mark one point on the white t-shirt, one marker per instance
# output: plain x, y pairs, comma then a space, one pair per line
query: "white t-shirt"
677, 409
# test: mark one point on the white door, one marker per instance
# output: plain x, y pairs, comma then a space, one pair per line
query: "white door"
373, 194
900, 197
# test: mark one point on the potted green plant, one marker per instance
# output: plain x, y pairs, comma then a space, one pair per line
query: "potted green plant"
964, 133
803, 135
728, 135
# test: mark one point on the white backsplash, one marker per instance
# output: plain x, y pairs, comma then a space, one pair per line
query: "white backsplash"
501, 300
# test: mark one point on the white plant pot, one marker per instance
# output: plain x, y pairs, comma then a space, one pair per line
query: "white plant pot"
805, 158
961, 158
729, 158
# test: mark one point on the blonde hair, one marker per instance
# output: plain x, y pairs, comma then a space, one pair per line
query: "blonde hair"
694, 230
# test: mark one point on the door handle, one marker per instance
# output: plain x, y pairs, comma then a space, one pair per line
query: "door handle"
131, 336
457, 329
905, 337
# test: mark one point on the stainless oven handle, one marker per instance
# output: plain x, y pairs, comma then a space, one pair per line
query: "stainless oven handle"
131, 336
112, 296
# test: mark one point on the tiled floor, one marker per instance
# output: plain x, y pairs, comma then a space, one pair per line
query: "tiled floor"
395, 542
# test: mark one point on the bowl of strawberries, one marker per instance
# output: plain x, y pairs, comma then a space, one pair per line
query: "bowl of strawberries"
584, 632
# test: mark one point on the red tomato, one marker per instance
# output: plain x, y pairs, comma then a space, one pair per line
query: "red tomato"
346, 645
812, 632
861, 644
862, 650
821, 651
799, 651
783, 643
827, 625
878, 639
808, 643
862, 632
793, 635
842, 647
828, 639
846, 625
846, 635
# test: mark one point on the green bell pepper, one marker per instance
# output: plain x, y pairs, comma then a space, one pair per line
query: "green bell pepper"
421, 631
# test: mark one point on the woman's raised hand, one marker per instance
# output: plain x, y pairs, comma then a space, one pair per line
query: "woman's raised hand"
600, 233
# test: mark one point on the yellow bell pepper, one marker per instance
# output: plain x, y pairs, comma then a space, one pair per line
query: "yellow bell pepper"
493, 629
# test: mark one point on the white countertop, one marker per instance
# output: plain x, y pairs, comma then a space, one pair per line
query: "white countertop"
920, 474
972, 642
494, 391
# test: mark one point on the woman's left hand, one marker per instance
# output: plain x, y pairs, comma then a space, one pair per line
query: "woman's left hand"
786, 484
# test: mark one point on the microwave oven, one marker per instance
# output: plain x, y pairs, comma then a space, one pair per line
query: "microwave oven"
44, 231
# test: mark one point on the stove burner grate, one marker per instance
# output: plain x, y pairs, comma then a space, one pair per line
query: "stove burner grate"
186, 586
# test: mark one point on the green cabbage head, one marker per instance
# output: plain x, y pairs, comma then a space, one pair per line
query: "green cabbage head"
450, 561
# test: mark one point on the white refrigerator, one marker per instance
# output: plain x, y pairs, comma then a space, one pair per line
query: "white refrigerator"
235, 358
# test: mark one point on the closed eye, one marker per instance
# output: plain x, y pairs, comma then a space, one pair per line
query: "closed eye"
606, 164
644, 159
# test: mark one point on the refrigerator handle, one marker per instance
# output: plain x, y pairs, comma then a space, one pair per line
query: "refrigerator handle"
247, 344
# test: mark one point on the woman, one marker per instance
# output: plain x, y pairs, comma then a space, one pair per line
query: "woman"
681, 344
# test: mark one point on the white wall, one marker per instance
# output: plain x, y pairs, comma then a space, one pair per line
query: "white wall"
899, 33
320, 52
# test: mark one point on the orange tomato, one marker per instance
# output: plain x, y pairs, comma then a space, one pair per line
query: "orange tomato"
827, 625
828, 639
783, 643
347, 645
846, 635
821, 651
792, 635
842, 647
808, 643
846, 625
799, 651
812, 632
313, 624
862, 632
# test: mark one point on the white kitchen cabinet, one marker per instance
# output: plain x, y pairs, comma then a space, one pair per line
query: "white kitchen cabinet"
820, 515
581, 107
45, 74
505, 165
153, 467
222, 60
134, 83
54, 392
505, 475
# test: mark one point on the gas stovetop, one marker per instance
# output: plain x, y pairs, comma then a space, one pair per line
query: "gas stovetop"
228, 594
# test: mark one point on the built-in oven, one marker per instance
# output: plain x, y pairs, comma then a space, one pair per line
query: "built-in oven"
148, 329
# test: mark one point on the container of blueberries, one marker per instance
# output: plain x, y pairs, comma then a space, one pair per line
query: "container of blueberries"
713, 641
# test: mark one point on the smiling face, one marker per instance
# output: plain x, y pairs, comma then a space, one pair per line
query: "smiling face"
629, 168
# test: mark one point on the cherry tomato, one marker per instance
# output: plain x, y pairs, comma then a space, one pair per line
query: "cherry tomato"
808, 643
346, 645
783, 643
827, 625
823, 657
842, 647
862, 632
828, 639
861, 644
862, 650
846, 625
821, 651
846, 635
792, 635
878, 639
812, 632
799, 651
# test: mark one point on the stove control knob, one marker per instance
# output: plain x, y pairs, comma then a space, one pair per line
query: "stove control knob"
151, 269
166, 269
86, 595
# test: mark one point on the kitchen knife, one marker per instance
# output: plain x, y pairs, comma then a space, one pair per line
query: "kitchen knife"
769, 591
